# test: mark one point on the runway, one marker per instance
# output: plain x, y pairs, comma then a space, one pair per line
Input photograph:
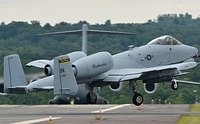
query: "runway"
86, 114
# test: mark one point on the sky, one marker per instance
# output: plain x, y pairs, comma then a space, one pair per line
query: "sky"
93, 11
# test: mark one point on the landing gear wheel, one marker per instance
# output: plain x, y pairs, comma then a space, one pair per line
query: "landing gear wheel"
91, 98
174, 85
51, 102
137, 99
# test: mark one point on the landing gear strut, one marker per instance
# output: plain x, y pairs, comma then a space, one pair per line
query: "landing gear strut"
91, 98
137, 97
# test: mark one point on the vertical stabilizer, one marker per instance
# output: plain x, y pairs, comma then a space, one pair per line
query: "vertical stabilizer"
64, 79
14, 77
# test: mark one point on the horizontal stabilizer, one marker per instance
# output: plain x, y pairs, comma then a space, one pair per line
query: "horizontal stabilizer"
3, 94
14, 77
38, 63
64, 79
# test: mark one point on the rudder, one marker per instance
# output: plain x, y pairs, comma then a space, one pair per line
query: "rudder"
64, 79
14, 77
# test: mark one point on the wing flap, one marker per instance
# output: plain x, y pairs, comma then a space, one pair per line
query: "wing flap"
122, 75
112, 78
130, 77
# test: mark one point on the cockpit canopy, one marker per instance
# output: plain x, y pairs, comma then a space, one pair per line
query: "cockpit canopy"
165, 40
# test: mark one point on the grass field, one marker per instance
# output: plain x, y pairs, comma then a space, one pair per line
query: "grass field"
195, 108
191, 119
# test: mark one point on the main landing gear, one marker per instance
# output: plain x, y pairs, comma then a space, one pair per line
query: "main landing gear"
91, 98
137, 97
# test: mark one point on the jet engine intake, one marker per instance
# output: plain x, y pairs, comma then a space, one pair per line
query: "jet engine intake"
150, 87
74, 56
48, 70
93, 65
116, 86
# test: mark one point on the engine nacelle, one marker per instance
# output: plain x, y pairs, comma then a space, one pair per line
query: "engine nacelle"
150, 87
116, 86
74, 56
48, 69
93, 65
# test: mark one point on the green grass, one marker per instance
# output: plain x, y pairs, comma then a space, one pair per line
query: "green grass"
195, 108
191, 119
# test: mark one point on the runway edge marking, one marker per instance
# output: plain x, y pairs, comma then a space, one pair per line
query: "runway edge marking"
36, 120
110, 109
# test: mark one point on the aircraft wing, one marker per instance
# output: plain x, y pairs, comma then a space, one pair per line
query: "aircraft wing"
38, 63
118, 75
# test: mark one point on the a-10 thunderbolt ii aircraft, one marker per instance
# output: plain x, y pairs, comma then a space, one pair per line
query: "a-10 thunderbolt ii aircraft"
161, 60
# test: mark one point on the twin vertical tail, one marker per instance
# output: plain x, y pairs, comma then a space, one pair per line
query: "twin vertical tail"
64, 80
14, 77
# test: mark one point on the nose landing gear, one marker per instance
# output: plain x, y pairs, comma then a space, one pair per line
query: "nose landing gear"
137, 97
174, 84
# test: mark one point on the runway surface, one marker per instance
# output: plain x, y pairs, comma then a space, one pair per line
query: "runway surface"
89, 114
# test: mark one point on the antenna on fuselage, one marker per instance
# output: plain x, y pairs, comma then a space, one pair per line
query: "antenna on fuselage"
85, 31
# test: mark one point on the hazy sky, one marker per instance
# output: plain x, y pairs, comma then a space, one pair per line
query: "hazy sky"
93, 11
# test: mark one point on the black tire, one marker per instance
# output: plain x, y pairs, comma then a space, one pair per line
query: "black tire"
51, 102
137, 99
174, 86
91, 100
